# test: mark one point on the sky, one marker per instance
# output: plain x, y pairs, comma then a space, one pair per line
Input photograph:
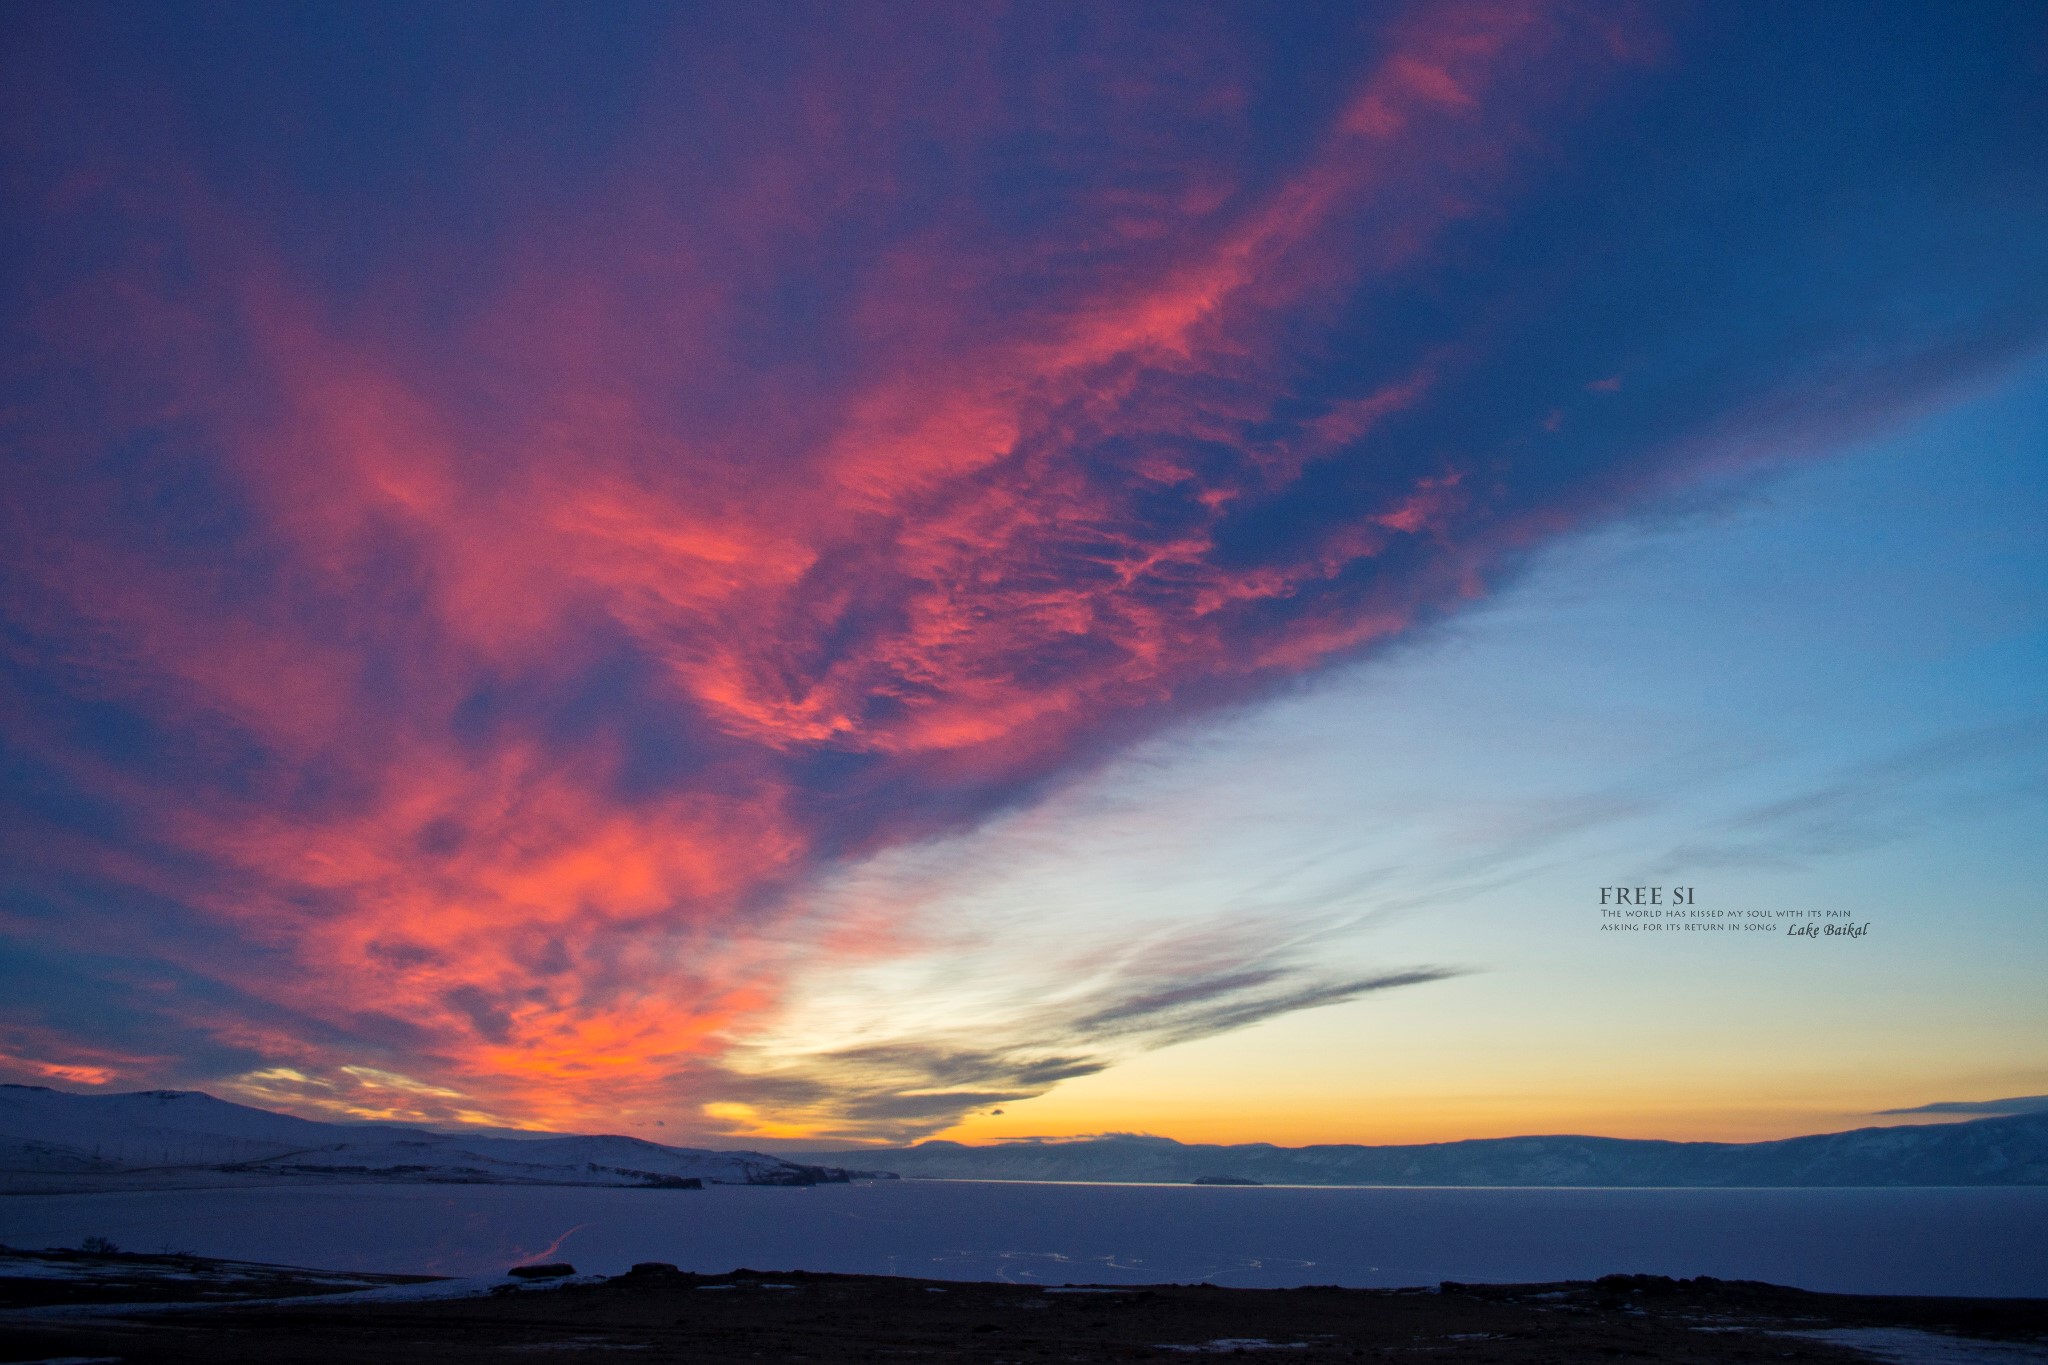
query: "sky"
832, 574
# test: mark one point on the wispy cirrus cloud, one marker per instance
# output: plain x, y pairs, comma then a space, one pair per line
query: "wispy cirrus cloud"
1875, 801
2018, 1104
1006, 1019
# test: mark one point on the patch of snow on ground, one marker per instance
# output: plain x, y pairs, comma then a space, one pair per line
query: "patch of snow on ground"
1227, 1345
1905, 1346
1086, 1289
583, 1344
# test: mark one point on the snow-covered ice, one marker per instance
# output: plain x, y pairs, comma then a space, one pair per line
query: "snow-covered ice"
1905, 1346
1892, 1241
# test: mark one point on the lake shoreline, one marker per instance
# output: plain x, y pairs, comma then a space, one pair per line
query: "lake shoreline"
657, 1312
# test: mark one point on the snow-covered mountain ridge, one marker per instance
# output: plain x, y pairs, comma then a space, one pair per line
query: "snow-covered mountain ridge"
46, 1132
1991, 1151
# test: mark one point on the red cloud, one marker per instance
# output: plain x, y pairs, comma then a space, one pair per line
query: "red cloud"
865, 600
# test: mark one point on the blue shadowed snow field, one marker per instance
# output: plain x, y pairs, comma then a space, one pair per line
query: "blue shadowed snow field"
1983, 1241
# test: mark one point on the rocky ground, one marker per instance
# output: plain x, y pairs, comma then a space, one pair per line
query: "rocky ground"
659, 1314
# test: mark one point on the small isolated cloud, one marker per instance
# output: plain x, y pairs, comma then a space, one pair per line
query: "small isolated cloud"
54, 1071
38, 1056
357, 1093
2018, 1104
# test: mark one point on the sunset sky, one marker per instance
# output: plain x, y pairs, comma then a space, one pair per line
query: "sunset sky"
836, 573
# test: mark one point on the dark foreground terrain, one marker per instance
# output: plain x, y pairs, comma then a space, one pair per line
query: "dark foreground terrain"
659, 1314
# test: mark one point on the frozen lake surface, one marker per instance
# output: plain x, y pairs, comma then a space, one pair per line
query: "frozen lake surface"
1889, 1241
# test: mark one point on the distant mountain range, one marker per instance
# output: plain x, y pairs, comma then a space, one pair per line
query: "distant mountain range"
155, 1136
1991, 1151
52, 1138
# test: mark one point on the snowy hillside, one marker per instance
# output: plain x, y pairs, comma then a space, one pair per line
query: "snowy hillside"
51, 1132
1991, 1151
